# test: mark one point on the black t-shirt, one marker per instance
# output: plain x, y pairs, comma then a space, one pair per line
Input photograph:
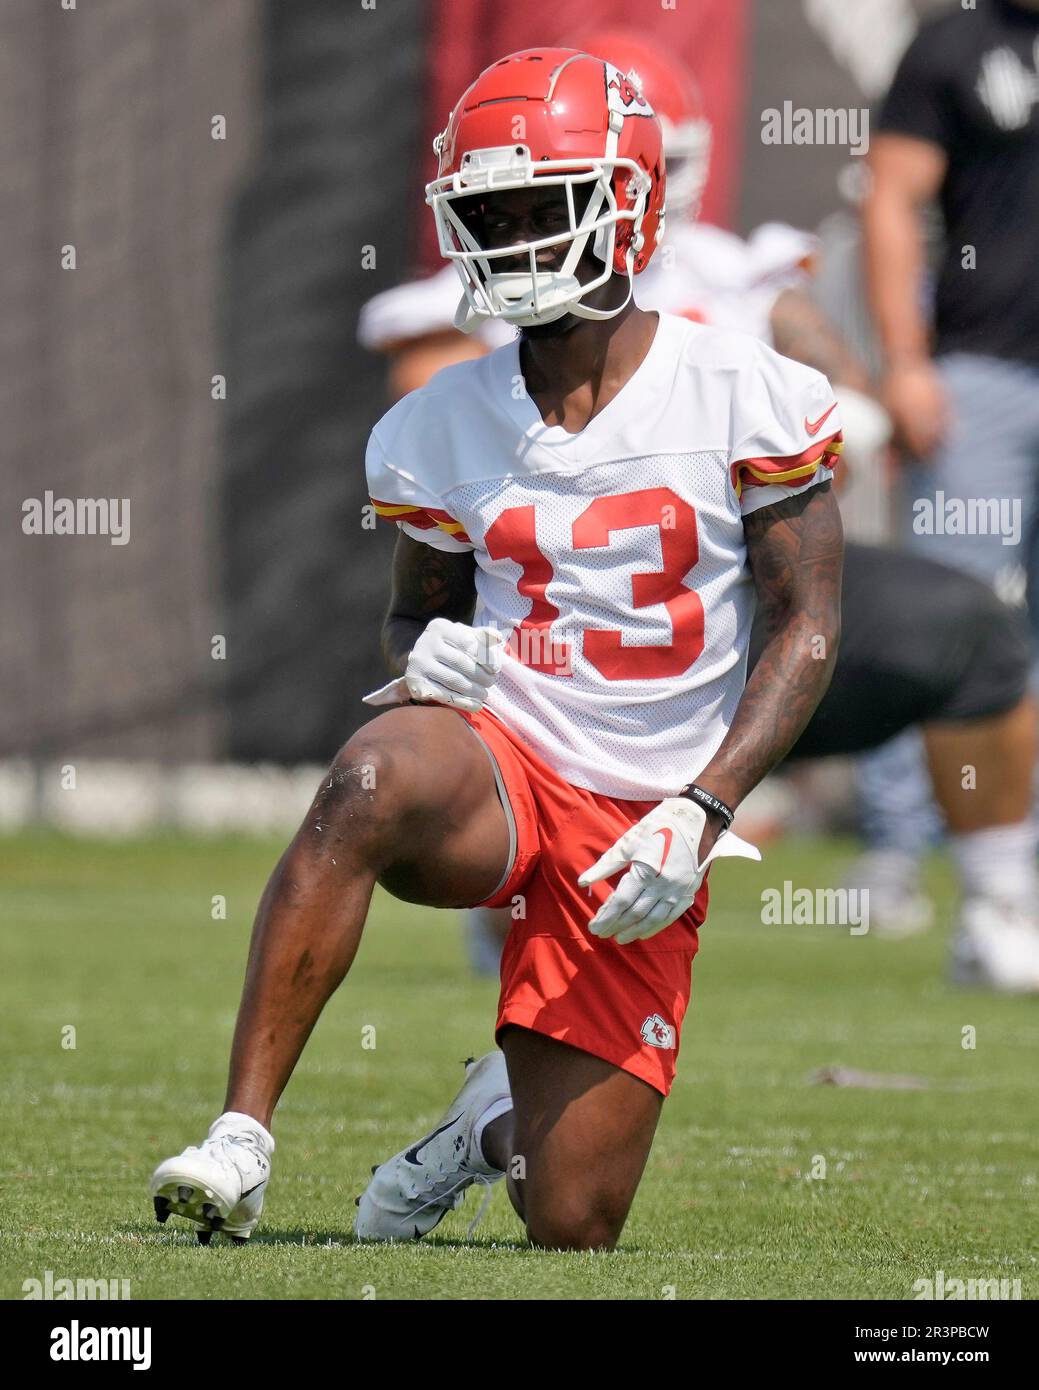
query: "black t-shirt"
969, 82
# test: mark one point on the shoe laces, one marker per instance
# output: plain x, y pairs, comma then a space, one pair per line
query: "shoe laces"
241, 1140
484, 1204
450, 1196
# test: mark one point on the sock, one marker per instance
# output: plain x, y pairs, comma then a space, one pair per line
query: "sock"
498, 1107
236, 1120
898, 867
1000, 863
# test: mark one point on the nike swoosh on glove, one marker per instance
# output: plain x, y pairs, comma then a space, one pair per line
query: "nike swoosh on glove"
664, 875
450, 664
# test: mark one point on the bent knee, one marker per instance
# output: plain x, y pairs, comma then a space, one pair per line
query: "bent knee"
359, 799
580, 1221
414, 755
362, 773
393, 778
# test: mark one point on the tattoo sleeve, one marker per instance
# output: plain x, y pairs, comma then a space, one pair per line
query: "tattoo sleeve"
802, 331
795, 552
427, 584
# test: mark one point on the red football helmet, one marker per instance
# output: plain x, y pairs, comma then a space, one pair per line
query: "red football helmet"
676, 99
556, 117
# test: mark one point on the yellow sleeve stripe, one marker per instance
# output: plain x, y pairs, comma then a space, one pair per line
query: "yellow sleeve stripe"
386, 509
788, 475
424, 518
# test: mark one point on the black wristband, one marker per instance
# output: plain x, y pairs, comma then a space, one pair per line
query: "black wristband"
709, 802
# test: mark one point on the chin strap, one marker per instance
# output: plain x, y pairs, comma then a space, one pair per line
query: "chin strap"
466, 319
585, 311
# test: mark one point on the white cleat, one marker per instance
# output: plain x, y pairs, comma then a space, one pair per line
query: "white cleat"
996, 947
219, 1184
414, 1190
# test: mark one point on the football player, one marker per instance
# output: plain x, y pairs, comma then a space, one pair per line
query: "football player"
610, 492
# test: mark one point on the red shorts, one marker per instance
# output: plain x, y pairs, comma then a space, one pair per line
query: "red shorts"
622, 1003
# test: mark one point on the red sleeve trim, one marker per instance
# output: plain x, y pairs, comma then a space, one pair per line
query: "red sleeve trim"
793, 470
423, 518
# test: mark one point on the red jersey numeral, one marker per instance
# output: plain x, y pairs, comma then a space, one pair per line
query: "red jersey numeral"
680, 547
513, 537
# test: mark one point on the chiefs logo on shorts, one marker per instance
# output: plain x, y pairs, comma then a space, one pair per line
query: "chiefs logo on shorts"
658, 1033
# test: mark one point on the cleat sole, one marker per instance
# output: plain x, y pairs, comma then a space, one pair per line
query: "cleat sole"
197, 1207
191, 1203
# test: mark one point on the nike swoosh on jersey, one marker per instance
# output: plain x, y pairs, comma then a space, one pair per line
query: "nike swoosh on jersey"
412, 1155
814, 429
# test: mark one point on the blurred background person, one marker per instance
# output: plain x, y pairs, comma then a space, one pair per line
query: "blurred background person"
960, 355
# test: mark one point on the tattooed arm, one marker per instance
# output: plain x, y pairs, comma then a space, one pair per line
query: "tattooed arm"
795, 550
802, 331
427, 584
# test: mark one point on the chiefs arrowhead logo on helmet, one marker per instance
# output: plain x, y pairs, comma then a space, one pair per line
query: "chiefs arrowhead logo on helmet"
628, 94
663, 79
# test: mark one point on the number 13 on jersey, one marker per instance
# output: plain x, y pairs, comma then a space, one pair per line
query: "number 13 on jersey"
513, 537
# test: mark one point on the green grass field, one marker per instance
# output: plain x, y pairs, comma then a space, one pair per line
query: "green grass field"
117, 939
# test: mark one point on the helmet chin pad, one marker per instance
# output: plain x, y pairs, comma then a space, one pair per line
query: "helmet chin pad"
516, 291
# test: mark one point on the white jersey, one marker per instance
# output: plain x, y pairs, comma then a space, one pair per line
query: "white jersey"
615, 555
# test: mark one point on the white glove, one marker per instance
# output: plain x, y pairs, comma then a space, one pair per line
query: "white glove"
664, 876
450, 664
